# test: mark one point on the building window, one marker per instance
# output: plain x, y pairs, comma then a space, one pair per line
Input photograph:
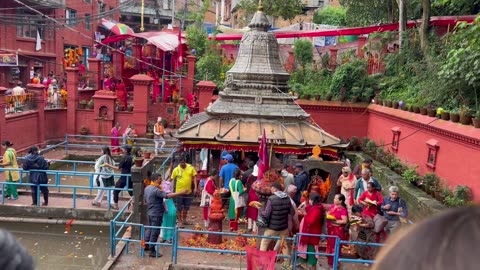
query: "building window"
432, 153
88, 1
321, 3
88, 22
85, 56
101, 7
395, 138
29, 23
71, 17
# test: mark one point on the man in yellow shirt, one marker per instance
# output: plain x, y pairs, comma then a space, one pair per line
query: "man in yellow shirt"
183, 176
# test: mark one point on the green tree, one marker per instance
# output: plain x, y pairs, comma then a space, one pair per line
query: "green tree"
303, 51
287, 9
368, 12
461, 70
197, 39
331, 16
455, 7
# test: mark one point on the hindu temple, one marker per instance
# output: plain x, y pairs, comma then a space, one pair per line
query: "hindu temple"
255, 98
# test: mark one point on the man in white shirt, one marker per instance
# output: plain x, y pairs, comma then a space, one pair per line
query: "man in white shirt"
18, 90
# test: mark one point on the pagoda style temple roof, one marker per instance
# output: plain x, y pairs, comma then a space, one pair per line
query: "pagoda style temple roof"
255, 98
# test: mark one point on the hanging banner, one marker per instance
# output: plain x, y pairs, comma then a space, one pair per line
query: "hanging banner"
8, 60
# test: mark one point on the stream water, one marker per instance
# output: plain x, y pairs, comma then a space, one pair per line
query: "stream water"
84, 247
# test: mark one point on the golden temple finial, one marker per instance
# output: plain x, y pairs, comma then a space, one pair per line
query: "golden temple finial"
260, 7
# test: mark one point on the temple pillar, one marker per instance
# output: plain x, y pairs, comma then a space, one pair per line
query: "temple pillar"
104, 108
3, 120
72, 99
333, 58
141, 101
187, 84
38, 90
94, 74
362, 40
205, 92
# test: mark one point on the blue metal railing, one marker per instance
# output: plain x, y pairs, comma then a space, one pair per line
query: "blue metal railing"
335, 255
103, 141
58, 185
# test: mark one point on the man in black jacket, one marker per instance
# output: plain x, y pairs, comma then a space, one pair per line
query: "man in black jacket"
36, 162
301, 181
276, 212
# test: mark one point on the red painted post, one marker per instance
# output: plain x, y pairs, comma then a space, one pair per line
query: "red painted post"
141, 100
187, 84
205, 92
72, 99
3, 120
38, 90
333, 58
362, 40
95, 72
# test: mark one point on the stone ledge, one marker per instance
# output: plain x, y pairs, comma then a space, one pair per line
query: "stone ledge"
420, 204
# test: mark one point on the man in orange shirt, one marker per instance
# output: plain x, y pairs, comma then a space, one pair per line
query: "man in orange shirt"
159, 131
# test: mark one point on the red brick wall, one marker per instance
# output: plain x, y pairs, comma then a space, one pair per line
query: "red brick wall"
22, 129
55, 124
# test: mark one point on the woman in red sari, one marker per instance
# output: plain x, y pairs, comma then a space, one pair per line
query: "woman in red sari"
311, 224
370, 199
252, 212
115, 140
337, 219
207, 196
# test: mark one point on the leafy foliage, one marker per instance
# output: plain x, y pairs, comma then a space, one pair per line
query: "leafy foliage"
455, 7
349, 75
303, 51
197, 39
368, 12
287, 9
331, 16
461, 70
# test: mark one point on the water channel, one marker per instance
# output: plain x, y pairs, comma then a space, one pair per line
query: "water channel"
84, 247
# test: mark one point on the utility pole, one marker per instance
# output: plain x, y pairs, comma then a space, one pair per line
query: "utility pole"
184, 15
142, 12
173, 12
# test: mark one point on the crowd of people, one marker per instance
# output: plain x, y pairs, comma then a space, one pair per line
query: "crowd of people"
358, 212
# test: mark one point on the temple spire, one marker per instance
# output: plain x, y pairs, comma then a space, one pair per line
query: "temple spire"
260, 7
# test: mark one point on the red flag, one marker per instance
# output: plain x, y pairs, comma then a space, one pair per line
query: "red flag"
180, 50
263, 156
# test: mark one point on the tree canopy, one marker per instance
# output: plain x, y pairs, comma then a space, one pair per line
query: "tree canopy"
331, 16
287, 9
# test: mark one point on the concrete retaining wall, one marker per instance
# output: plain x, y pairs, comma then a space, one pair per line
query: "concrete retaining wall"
420, 204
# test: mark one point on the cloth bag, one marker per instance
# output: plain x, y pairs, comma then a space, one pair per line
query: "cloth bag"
260, 260
206, 198
237, 197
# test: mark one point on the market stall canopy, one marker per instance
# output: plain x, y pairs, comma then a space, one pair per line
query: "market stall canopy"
164, 40
116, 28
435, 21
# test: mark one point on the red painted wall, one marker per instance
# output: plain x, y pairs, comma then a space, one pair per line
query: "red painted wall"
338, 119
22, 129
459, 145
55, 124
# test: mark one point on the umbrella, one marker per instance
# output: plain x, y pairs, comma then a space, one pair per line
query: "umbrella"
117, 28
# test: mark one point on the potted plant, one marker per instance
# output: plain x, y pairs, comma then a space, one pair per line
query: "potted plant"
430, 182
444, 114
328, 96
455, 115
416, 108
342, 95
130, 107
462, 195
376, 100
90, 104
82, 104
410, 175
465, 116
354, 143
476, 120
395, 104
356, 92
431, 111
